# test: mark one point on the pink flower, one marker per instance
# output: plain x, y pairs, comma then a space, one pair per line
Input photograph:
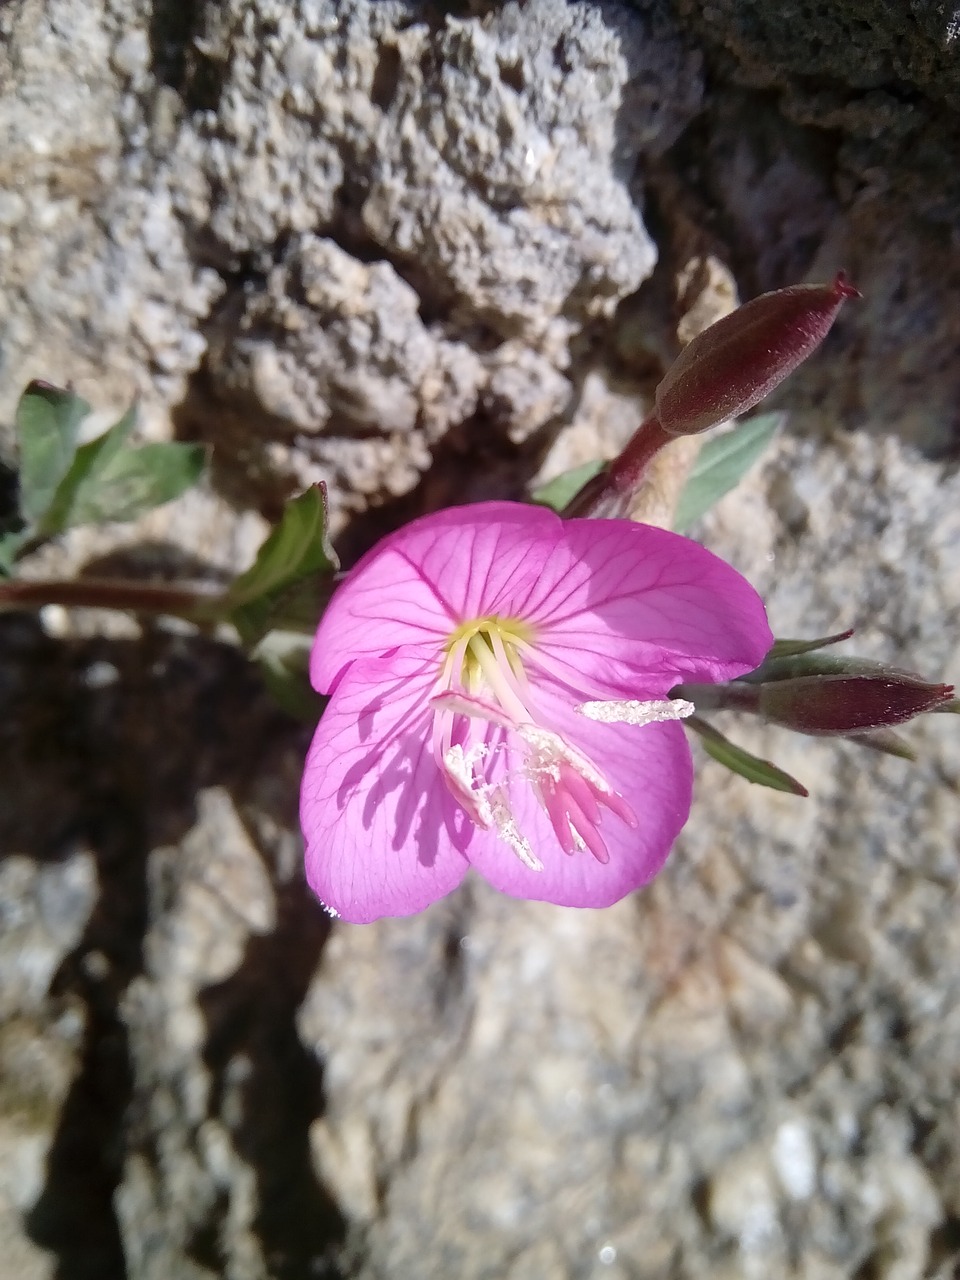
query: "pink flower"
499, 681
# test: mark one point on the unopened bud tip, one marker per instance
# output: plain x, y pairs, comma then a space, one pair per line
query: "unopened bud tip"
843, 287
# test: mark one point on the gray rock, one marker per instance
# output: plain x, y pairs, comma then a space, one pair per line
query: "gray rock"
332, 363
697, 1081
43, 912
360, 123
99, 286
512, 198
208, 897
868, 183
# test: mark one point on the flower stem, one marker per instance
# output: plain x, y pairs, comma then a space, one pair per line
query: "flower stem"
627, 471
113, 593
612, 493
733, 696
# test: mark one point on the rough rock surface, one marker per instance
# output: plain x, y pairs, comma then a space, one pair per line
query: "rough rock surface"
751, 1067
488, 162
43, 912
410, 248
867, 180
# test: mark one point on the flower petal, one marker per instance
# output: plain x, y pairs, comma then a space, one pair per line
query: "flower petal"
641, 602
384, 835
622, 597
650, 767
417, 585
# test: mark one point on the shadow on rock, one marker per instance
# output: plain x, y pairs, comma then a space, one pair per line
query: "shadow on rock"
105, 746
279, 1092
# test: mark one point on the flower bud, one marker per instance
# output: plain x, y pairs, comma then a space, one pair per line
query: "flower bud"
851, 703
733, 364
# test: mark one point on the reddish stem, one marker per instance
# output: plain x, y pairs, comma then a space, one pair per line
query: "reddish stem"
112, 593
628, 469
610, 493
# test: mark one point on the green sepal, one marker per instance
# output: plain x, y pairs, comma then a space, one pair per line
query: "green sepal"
885, 740
748, 766
792, 648
803, 665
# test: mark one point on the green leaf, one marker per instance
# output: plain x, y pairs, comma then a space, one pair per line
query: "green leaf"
748, 766
806, 664
791, 648
291, 574
129, 483
81, 477
48, 420
138, 480
722, 463
296, 607
106, 480
558, 492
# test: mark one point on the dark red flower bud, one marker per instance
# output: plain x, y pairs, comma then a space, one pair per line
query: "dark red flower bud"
731, 366
852, 703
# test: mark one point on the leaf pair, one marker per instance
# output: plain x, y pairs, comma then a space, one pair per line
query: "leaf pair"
64, 484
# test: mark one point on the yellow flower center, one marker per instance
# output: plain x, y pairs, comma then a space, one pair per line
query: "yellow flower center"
484, 642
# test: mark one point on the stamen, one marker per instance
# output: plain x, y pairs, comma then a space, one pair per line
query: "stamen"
450, 675
550, 752
512, 669
497, 678
467, 704
488, 807
458, 769
483, 678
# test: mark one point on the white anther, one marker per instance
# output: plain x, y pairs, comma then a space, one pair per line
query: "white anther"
637, 713
487, 806
510, 833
